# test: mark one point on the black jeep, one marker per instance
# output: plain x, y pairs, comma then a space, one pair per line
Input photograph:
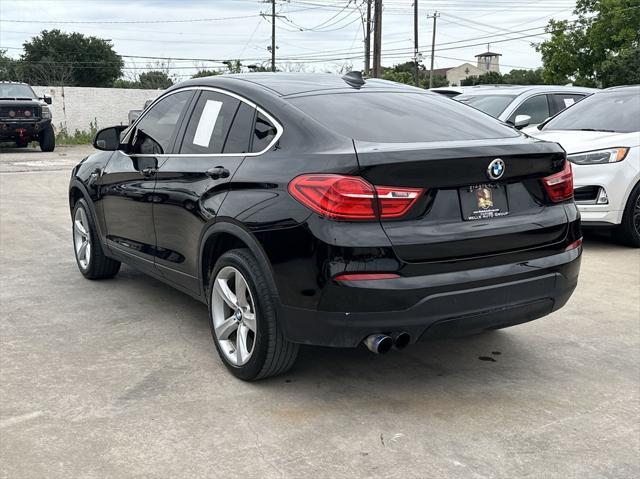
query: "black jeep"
25, 117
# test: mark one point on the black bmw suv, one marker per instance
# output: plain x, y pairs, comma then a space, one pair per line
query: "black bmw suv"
315, 209
25, 117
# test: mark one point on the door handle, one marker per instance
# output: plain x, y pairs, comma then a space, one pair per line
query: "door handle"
149, 171
218, 172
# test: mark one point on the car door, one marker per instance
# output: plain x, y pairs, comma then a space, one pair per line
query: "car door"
192, 184
537, 107
127, 182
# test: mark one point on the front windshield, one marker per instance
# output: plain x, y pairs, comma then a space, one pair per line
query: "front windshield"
492, 105
16, 90
611, 110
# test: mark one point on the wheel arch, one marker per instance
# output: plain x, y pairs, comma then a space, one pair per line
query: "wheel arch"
222, 236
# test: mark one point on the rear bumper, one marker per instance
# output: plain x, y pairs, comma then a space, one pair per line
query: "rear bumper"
450, 304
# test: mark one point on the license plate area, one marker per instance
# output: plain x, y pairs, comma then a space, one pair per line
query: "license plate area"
482, 202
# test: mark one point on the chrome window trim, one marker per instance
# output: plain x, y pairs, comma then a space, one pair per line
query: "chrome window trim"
276, 123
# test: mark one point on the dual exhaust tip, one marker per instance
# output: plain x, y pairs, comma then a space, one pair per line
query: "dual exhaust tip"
382, 343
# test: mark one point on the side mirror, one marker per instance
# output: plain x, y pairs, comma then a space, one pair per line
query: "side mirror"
108, 139
521, 121
47, 99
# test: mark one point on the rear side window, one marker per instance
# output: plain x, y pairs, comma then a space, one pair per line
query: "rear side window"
400, 117
537, 107
209, 124
492, 105
263, 133
560, 101
239, 137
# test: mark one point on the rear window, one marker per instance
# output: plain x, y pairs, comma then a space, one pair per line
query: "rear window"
391, 117
492, 105
614, 110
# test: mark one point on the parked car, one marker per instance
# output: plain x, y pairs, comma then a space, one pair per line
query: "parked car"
133, 115
315, 209
25, 117
601, 135
522, 106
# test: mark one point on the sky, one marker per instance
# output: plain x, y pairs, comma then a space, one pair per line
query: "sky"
312, 35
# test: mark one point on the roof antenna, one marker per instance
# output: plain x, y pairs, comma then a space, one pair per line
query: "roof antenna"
354, 79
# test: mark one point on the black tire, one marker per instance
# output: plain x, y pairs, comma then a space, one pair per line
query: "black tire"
628, 231
272, 353
47, 139
99, 266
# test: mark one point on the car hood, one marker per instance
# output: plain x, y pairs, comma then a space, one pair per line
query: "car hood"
20, 103
577, 141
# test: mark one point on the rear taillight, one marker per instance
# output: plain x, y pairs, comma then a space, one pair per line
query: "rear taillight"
560, 186
365, 276
351, 197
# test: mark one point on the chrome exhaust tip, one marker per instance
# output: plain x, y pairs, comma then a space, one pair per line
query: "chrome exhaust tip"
401, 340
378, 343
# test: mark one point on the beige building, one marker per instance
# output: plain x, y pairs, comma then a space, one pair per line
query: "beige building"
487, 62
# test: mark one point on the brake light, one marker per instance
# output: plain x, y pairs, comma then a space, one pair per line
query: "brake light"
560, 186
352, 197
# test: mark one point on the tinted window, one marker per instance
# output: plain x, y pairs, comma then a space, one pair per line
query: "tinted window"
263, 133
400, 117
492, 105
154, 133
613, 110
209, 123
537, 107
239, 136
564, 100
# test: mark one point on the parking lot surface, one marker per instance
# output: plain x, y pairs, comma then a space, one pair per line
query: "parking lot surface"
120, 378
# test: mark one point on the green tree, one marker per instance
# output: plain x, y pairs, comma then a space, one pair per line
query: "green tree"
10, 69
154, 79
405, 73
56, 57
205, 73
489, 78
589, 50
623, 69
524, 77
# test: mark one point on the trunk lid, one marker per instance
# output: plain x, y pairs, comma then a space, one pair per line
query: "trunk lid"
458, 188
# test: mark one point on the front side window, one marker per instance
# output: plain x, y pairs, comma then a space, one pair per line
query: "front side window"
492, 105
209, 124
537, 107
155, 132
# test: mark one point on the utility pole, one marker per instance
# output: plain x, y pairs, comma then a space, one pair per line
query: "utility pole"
273, 36
433, 46
377, 37
367, 41
415, 41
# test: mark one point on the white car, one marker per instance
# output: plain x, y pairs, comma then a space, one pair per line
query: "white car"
601, 136
522, 105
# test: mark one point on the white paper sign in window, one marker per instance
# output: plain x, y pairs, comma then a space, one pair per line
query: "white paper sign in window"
207, 123
568, 102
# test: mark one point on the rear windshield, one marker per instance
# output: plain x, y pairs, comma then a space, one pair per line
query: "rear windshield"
492, 105
615, 110
394, 117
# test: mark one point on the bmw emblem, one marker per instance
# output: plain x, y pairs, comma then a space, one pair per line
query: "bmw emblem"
495, 170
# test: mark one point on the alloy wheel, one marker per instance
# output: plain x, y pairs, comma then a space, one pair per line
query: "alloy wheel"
81, 238
233, 315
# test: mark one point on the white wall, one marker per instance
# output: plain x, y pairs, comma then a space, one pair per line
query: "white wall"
82, 105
